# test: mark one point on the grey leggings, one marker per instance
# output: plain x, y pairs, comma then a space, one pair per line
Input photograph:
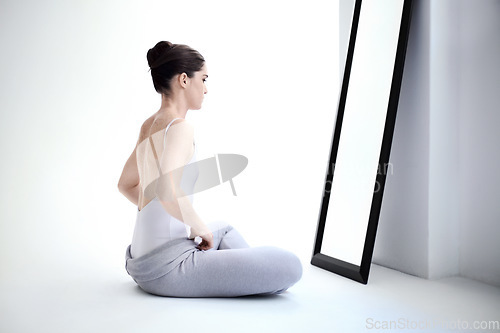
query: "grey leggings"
231, 268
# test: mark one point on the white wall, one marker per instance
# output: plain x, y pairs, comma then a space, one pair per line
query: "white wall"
346, 10
479, 166
76, 89
445, 66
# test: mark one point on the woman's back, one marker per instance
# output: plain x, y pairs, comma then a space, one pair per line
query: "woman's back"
154, 225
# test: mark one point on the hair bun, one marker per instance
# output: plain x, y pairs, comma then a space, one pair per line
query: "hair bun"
156, 55
167, 60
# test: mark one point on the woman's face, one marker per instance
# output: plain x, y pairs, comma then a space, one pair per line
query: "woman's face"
197, 88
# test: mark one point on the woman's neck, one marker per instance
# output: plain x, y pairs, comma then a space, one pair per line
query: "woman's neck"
172, 108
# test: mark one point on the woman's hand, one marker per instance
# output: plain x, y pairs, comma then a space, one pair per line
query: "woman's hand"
207, 238
207, 242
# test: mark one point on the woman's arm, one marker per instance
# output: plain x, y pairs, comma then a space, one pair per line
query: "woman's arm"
128, 184
178, 151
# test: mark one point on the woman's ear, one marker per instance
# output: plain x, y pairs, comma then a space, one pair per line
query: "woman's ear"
183, 78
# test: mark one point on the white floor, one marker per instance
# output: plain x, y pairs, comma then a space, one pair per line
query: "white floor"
108, 300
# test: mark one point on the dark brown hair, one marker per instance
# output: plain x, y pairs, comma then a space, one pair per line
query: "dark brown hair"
167, 60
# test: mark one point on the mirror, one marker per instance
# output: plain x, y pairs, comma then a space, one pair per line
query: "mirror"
361, 144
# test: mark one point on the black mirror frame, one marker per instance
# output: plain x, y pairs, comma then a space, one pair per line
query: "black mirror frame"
346, 269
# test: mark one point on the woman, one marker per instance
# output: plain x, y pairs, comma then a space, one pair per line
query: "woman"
159, 177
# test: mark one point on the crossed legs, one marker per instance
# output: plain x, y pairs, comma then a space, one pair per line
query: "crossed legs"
231, 268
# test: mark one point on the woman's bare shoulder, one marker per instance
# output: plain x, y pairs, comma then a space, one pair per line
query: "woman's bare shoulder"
146, 128
156, 126
180, 129
181, 123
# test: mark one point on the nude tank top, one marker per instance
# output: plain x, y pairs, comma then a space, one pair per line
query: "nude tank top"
154, 226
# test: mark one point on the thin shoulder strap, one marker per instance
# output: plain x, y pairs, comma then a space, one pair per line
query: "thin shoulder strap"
156, 156
154, 150
166, 129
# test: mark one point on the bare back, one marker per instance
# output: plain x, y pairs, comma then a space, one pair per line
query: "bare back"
170, 137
